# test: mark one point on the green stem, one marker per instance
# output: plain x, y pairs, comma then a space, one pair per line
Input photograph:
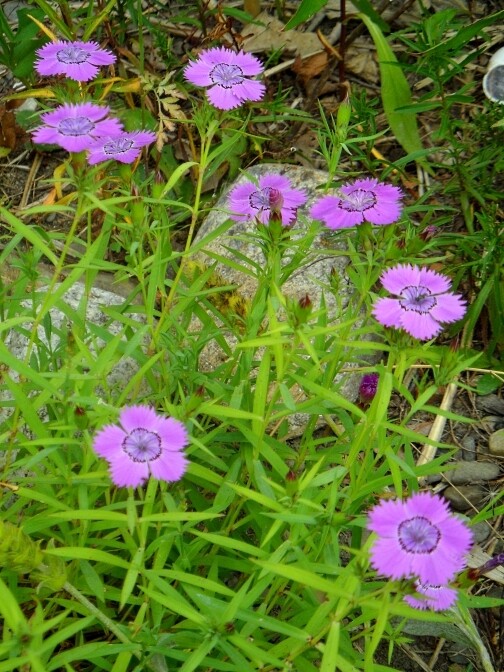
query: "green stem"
206, 144
100, 616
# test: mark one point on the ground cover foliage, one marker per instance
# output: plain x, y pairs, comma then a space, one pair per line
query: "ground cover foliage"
173, 522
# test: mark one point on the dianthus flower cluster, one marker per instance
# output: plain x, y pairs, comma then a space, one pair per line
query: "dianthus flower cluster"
85, 126
420, 539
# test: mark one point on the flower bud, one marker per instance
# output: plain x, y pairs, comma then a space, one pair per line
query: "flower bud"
343, 118
301, 310
368, 387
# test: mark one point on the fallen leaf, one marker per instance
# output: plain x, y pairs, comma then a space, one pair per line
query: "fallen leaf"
268, 34
310, 67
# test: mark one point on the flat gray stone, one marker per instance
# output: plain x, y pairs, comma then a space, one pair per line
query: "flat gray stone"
326, 258
468, 447
464, 497
472, 472
490, 403
481, 531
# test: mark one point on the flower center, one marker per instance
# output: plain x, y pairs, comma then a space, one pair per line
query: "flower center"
419, 299
261, 200
118, 146
76, 126
358, 201
142, 445
72, 55
226, 75
418, 535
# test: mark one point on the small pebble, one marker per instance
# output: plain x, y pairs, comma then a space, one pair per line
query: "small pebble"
481, 532
468, 447
465, 497
472, 472
496, 443
490, 403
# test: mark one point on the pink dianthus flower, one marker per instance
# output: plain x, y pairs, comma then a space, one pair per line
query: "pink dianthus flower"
418, 538
143, 444
437, 598
423, 301
123, 147
227, 76
272, 194
365, 200
74, 127
77, 60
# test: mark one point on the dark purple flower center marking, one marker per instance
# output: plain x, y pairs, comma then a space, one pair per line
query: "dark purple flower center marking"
76, 126
118, 146
142, 445
418, 535
428, 586
72, 55
261, 200
226, 75
417, 298
358, 201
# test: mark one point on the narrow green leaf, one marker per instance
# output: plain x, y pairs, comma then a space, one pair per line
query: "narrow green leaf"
465, 34
331, 647
194, 580
305, 578
91, 554
175, 603
305, 11
395, 92
229, 542
194, 660
98, 19
225, 412
89, 514
258, 497
29, 233
131, 576
12, 614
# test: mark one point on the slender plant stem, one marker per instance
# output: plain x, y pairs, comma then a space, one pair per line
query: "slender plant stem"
99, 615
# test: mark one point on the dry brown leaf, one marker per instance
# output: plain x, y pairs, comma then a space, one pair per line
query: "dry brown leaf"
10, 132
270, 36
310, 67
361, 60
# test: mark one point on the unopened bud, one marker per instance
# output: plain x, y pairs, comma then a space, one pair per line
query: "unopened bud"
301, 310
343, 118
80, 417
275, 200
475, 572
368, 387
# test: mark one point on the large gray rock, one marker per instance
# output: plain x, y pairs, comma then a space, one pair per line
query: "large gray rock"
326, 260
56, 337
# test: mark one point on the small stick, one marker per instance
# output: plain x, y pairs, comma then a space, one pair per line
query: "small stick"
30, 179
429, 451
